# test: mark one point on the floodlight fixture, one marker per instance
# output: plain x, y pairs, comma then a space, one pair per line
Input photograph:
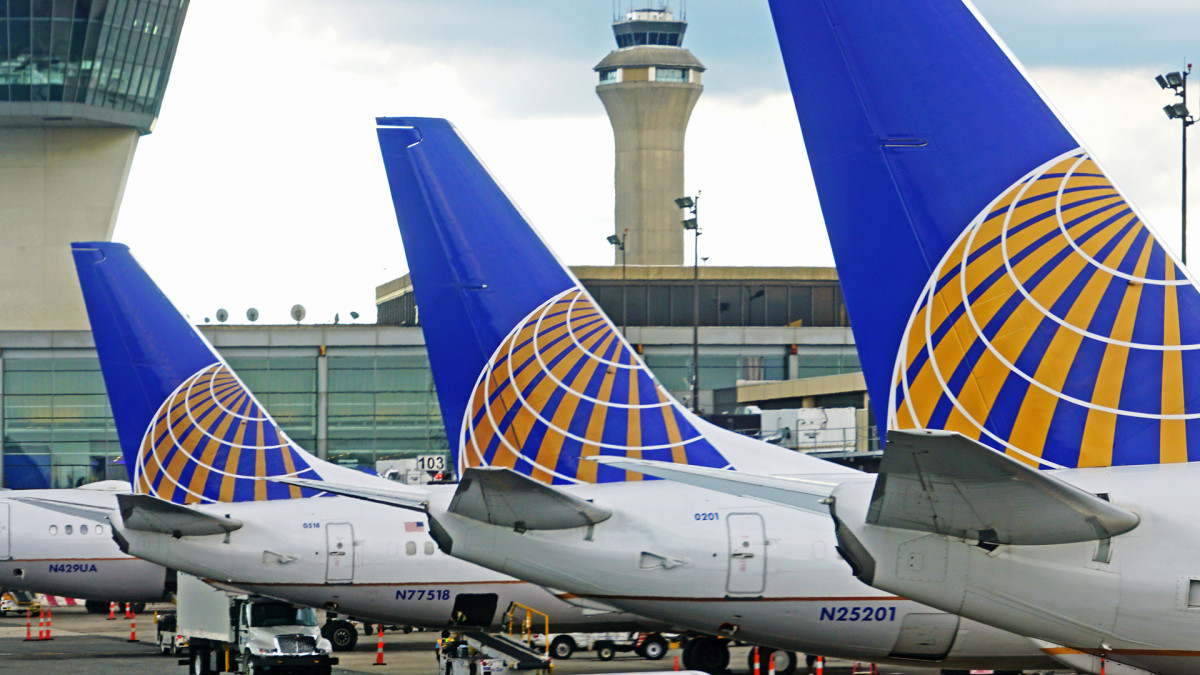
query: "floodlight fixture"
615, 241
1162, 81
685, 202
1176, 111
1175, 79
690, 224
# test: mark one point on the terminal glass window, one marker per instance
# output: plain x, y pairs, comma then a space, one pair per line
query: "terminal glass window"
58, 431
382, 406
609, 76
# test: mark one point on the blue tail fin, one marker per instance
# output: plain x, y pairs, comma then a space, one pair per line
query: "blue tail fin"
999, 285
190, 431
530, 374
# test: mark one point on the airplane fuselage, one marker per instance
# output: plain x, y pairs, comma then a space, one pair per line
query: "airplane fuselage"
719, 564
364, 560
1135, 597
49, 552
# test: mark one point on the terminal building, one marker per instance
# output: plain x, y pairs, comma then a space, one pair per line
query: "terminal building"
769, 339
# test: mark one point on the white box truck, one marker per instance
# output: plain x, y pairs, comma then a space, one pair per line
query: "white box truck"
247, 634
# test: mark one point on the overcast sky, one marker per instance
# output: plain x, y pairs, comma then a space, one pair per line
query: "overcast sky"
264, 163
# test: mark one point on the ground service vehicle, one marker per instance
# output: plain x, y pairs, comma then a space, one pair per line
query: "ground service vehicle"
18, 602
247, 634
651, 646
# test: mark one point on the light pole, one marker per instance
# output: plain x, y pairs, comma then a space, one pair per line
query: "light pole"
693, 224
619, 242
1177, 81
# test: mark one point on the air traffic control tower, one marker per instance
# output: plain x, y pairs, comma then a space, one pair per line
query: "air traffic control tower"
80, 82
649, 86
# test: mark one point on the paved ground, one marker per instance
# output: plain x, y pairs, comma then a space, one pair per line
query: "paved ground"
86, 644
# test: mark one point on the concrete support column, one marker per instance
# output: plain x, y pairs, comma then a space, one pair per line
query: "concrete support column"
649, 120
57, 185
322, 405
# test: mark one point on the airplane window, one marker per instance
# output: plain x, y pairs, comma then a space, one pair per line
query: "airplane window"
68, 529
429, 548
99, 529
411, 548
83, 529
53, 529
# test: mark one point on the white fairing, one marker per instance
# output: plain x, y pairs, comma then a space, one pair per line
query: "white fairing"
715, 563
1135, 598
364, 560
46, 551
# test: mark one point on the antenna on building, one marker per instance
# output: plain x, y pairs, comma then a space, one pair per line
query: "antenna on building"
222, 315
252, 314
298, 313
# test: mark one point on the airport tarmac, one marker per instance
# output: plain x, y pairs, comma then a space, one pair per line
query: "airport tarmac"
91, 644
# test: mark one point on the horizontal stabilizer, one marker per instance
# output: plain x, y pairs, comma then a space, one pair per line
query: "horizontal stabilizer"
799, 493
506, 498
400, 497
946, 483
86, 511
151, 514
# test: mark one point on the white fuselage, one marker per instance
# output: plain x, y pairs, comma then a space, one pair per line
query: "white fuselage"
720, 564
49, 552
386, 568
1135, 598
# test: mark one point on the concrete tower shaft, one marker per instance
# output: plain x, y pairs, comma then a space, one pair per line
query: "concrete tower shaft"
649, 87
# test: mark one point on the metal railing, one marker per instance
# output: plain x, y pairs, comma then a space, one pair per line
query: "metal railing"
526, 623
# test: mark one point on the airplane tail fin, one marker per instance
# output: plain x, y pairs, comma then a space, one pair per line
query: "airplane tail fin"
998, 283
190, 430
530, 374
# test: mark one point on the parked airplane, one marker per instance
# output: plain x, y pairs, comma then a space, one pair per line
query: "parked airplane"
193, 434
532, 376
1035, 344
57, 553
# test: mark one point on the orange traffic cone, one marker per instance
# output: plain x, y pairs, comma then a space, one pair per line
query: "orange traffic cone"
49, 622
820, 665
29, 628
676, 662
379, 649
42, 625
128, 611
771, 664
757, 666
112, 611
133, 630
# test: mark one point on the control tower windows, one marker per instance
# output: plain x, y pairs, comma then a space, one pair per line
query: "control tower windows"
648, 38
671, 74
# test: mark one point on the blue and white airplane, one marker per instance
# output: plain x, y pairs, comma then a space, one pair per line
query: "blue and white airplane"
1033, 347
200, 449
534, 381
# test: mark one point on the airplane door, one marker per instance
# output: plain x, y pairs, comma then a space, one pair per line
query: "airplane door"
339, 560
5, 550
747, 554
